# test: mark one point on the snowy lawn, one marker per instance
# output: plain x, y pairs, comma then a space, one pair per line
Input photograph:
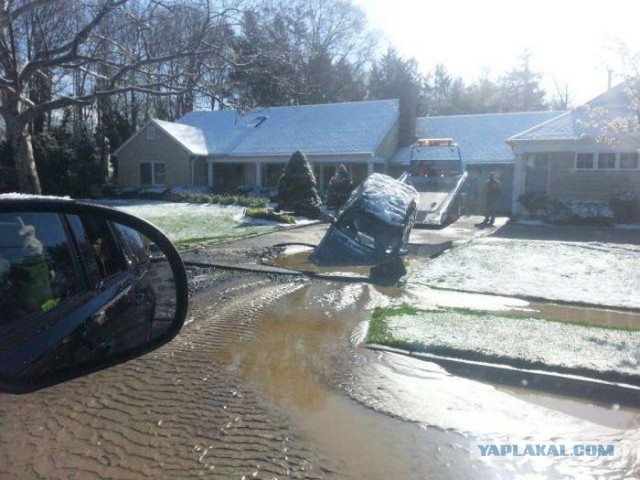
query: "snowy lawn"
189, 225
520, 342
596, 273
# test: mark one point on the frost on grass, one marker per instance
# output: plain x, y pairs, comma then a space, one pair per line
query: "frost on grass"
517, 341
193, 224
602, 274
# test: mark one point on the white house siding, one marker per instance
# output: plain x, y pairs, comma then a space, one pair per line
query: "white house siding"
163, 149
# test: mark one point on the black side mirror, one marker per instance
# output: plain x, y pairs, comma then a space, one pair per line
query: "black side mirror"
82, 288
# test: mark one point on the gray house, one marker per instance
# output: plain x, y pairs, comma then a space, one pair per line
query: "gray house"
567, 156
553, 153
225, 150
483, 147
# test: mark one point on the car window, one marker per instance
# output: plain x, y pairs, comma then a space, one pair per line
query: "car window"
135, 245
369, 231
37, 269
98, 247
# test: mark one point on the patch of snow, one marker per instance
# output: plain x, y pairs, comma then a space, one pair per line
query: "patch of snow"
29, 196
431, 299
387, 198
304, 221
527, 339
596, 273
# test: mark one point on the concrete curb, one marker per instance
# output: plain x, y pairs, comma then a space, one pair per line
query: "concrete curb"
531, 298
601, 391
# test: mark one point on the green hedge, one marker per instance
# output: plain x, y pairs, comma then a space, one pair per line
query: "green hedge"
268, 214
167, 195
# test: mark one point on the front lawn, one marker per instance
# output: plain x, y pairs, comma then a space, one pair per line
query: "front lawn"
519, 342
588, 272
189, 225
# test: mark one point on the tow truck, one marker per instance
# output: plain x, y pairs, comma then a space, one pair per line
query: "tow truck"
437, 172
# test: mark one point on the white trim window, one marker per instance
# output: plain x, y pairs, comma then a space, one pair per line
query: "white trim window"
585, 161
629, 161
152, 174
607, 161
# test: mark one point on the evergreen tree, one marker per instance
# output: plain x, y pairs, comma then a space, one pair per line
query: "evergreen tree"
340, 187
297, 190
521, 90
390, 77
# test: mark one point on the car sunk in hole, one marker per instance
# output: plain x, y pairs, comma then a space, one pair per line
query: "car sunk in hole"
82, 287
373, 226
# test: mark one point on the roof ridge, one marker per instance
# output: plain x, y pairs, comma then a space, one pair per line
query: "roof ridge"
354, 102
540, 125
559, 112
178, 140
618, 86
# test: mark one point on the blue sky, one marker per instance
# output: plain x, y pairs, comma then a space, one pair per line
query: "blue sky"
572, 42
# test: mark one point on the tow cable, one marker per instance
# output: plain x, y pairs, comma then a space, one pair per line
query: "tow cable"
379, 274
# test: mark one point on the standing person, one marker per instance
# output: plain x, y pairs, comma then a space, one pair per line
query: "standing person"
493, 192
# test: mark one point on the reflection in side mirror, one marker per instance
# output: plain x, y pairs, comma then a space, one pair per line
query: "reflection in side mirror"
82, 288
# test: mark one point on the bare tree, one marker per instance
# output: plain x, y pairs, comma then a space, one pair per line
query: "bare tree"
562, 98
74, 52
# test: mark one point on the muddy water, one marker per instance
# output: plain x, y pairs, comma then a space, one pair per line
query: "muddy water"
429, 298
267, 381
175, 413
425, 393
302, 357
301, 347
297, 257
629, 320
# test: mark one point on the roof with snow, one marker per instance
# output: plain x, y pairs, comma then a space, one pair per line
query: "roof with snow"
482, 138
575, 124
583, 122
191, 138
338, 128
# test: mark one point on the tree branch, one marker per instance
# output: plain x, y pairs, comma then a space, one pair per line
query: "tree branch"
69, 51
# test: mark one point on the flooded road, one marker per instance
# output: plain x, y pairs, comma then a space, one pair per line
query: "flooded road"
300, 352
270, 380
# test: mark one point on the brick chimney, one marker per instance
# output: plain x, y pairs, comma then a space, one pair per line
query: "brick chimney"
408, 112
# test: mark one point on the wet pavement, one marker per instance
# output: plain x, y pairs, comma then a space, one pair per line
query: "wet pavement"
270, 379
